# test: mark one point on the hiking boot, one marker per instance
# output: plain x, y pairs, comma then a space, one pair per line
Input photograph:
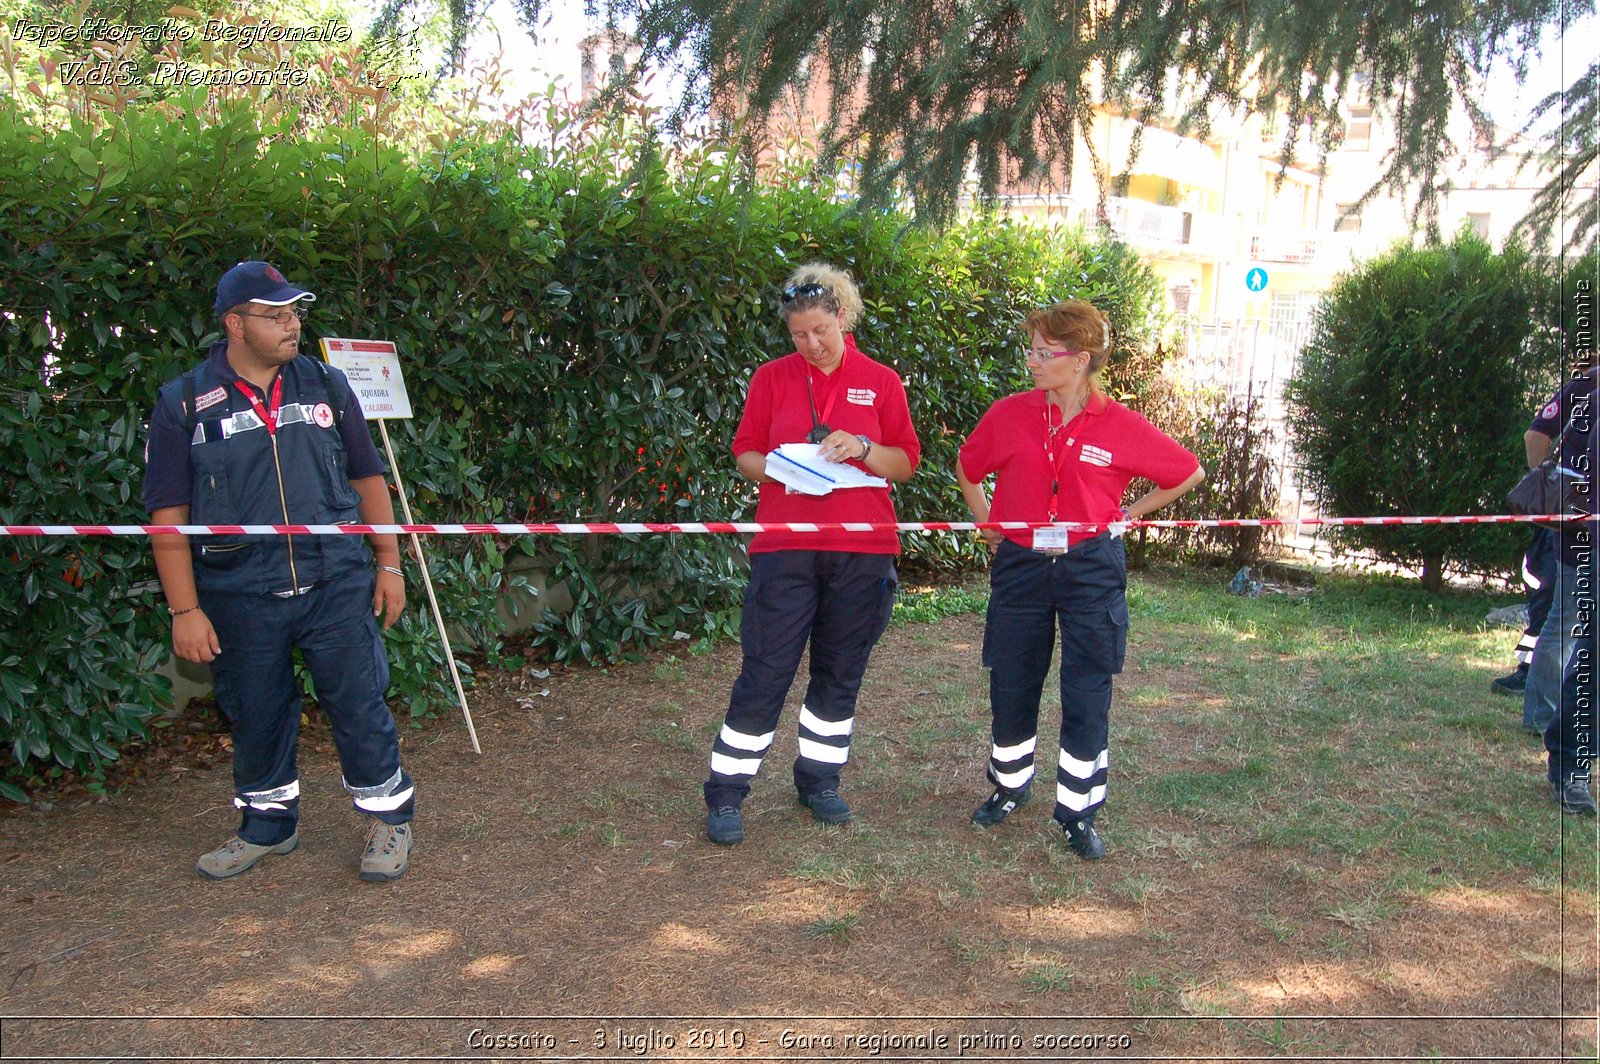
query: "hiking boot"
1511, 686
1084, 840
388, 852
1001, 804
1573, 797
725, 825
827, 807
236, 855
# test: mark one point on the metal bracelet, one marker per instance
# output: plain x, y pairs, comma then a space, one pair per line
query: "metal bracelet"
391, 569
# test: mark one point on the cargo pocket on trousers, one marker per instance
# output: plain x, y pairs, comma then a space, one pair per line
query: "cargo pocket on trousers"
1097, 641
890, 585
1117, 631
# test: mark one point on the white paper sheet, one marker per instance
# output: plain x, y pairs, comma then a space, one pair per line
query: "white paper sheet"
801, 467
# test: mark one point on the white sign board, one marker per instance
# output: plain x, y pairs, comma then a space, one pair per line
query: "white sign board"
373, 367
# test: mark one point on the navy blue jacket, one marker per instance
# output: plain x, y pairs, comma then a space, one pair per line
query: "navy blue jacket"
241, 474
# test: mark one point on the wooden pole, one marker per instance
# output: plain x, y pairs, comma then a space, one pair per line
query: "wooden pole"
427, 582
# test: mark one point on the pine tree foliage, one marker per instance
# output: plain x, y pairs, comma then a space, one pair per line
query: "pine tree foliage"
1570, 161
925, 93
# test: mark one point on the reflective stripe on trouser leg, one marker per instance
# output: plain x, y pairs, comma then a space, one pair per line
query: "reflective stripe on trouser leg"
386, 797
827, 741
737, 756
276, 799
854, 599
1011, 767
1525, 647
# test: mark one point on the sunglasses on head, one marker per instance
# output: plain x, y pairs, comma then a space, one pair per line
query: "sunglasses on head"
804, 291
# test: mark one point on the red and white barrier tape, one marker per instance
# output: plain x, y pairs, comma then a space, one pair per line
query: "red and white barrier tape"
720, 527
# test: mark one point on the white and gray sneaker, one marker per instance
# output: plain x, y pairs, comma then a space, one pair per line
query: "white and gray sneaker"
236, 855
387, 853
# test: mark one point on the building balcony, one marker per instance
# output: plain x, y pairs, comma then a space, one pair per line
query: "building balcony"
1279, 246
1167, 231
1300, 247
1142, 222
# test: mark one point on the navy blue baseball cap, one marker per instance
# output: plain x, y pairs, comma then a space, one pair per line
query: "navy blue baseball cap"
256, 282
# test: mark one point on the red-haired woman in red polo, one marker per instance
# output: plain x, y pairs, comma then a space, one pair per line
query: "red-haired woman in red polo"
1063, 451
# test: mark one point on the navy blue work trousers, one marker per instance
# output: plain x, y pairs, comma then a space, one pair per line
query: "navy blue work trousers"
1562, 684
333, 627
838, 603
1080, 597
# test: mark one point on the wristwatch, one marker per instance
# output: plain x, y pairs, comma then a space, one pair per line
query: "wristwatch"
867, 444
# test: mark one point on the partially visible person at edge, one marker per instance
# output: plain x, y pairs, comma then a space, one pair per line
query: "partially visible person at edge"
260, 434
1539, 560
1560, 695
831, 589
1061, 452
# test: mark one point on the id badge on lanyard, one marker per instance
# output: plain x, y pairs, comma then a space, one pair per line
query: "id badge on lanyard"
1051, 541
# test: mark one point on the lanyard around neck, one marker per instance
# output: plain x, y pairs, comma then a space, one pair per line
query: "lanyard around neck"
820, 421
1054, 457
268, 415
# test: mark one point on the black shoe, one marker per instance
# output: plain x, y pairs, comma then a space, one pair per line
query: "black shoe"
1573, 797
725, 825
1001, 804
1511, 686
827, 807
1084, 840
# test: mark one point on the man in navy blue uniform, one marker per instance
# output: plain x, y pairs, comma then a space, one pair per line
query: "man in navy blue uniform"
1562, 685
260, 434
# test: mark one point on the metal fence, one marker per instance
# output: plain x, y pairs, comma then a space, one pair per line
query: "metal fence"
1253, 357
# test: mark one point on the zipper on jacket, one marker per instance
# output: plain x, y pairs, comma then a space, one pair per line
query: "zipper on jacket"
283, 501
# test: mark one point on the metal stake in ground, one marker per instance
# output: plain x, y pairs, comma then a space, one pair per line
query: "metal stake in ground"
373, 369
433, 599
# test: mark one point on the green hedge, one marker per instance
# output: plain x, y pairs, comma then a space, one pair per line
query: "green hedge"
1413, 393
578, 326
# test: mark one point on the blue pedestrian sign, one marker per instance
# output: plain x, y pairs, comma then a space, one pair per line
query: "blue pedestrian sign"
1256, 280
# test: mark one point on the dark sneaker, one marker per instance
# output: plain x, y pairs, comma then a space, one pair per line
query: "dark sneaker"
1084, 840
827, 807
1573, 797
725, 825
1511, 686
388, 852
236, 855
1001, 804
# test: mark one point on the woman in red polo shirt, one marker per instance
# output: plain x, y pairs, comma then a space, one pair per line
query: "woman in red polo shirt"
1061, 452
831, 589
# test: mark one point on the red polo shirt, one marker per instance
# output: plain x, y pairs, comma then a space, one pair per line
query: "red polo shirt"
1093, 456
861, 397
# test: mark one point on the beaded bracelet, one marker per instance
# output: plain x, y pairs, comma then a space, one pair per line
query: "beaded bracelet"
180, 613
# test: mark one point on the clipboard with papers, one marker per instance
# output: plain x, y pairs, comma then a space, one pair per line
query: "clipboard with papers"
800, 467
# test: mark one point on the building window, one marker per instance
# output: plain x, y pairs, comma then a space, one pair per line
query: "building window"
1358, 130
1479, 221
1346, 219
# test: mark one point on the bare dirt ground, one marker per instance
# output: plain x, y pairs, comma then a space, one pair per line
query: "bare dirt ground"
564, 904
